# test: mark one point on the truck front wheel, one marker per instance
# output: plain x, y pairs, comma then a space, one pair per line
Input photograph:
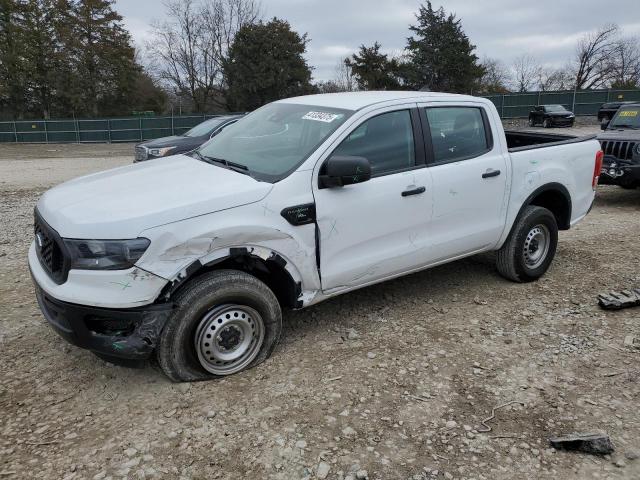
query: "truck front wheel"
531, 246
225, 321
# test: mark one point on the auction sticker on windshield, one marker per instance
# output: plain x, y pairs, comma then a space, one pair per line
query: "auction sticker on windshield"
321, 116
629, 113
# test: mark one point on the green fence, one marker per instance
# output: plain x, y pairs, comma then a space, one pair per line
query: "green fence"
581, 102
124, 129
137, 129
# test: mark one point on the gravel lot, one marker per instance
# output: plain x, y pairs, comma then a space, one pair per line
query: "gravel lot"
393, 380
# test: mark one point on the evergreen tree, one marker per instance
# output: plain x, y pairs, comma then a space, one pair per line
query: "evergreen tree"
266, 63
44, 52
102, 58
374, 70
440, 54
13, 89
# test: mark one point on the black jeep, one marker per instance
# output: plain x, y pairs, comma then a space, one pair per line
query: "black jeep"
621, 146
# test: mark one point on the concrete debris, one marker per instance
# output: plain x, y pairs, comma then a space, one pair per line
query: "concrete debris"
619, 300
596, 443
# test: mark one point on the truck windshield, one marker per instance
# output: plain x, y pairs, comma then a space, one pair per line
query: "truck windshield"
275, 139
627, 117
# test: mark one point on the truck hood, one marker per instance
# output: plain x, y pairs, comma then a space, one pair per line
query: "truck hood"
121, 203
620, 134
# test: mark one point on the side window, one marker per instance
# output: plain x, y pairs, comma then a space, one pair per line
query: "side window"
457, 133
386, 141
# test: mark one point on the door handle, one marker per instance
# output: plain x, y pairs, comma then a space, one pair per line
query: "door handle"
491, 173
415, 191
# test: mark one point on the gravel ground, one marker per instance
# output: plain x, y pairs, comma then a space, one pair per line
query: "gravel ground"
389, 382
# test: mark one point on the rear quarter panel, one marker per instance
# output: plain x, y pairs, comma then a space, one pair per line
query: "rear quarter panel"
570, 165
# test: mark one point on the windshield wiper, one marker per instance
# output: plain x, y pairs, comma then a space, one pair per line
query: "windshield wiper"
238, 167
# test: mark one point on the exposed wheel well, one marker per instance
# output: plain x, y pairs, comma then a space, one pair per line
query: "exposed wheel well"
270, 271
557, 202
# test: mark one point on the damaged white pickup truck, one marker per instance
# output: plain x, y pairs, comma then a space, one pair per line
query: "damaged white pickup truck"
193, 256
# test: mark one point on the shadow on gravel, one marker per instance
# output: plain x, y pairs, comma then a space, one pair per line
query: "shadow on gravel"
618, 197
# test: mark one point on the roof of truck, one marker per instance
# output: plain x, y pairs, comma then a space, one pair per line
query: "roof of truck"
358, 100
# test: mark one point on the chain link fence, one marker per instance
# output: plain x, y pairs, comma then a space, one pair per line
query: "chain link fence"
138, 129
105, 130
580, 102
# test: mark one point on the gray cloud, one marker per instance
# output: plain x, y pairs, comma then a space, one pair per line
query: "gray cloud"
503, 29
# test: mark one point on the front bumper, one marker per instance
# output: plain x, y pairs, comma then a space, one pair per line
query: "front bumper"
129, 334
616, 172
562, 121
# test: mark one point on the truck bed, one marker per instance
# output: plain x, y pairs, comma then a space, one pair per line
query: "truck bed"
523, 140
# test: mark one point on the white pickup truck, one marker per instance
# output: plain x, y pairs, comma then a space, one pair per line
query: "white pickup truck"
193, 256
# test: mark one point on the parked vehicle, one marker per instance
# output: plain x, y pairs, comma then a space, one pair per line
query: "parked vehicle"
608, 110
551, 116
194, 256
193, 138
620, 143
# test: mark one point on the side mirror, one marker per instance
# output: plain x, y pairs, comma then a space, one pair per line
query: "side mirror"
344, 170
604, 124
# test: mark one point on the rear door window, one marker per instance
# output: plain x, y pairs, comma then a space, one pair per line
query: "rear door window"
457, 133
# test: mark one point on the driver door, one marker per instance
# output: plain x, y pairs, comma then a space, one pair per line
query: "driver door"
376, 229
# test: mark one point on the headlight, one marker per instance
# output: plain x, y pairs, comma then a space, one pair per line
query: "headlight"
105, 254
160, 152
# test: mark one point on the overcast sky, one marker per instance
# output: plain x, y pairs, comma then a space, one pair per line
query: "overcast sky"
503, 29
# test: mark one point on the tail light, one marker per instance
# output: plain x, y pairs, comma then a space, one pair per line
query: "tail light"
597, 169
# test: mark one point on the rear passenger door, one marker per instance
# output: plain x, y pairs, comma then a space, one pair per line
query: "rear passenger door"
470, 177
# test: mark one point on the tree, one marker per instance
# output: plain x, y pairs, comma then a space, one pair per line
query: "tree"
441, 57
266, 62
13, 76
495, 78
44, 23
526, 72
593, 62
625, 72
102, 58
550, 79
190, 49
374, 70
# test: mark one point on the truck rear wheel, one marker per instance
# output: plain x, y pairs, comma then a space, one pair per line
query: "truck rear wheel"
531, 246
225, 321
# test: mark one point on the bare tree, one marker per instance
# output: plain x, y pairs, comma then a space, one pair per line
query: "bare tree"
188, 50
344, 77
553, 79
626, 63
496, 77
594, 53
526, 72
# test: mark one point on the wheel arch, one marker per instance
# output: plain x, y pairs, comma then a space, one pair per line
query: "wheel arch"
554, 197
266, 264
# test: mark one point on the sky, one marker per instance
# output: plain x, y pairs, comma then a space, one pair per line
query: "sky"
502, 29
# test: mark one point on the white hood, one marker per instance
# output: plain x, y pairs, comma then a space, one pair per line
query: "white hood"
121, 203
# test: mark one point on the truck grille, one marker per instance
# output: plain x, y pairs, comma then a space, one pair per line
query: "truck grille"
140, 154
50, 250
620, 150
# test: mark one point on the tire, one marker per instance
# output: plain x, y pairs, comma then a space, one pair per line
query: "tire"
248, 318
519, 260
532, 123
546, 123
